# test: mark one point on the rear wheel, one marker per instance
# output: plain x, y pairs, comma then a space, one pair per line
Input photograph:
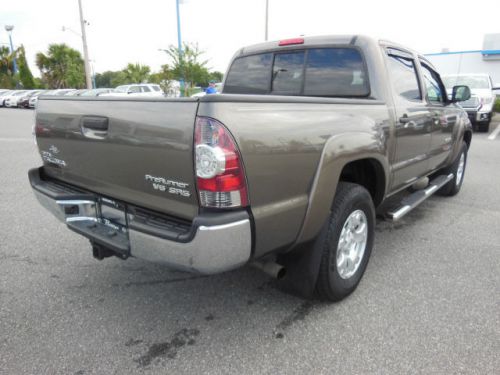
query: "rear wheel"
458, 170
346, 242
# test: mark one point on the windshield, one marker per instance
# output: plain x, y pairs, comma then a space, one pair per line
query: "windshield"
474, 82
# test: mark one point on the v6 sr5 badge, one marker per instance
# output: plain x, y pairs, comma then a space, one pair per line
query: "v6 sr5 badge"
168, 186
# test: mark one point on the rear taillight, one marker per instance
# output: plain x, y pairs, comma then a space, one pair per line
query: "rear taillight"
220, 174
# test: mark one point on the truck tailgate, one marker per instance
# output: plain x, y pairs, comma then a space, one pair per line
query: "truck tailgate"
137, 151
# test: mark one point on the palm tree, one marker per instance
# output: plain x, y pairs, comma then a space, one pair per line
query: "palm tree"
136, 73
6, 68
61, 67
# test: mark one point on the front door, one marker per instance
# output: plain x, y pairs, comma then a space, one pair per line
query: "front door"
444, 118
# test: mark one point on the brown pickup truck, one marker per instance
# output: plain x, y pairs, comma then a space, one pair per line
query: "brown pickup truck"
284, 170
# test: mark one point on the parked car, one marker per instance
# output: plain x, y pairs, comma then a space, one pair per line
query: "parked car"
98, 92
78, 92
284, 170
56, 92
12, 99
480, 106
143, 89
3, 95
33, 100
59, 92
25, 99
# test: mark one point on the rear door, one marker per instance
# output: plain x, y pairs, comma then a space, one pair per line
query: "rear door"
412, 128
138, 151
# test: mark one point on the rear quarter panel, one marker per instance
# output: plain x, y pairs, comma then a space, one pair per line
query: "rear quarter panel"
283, 150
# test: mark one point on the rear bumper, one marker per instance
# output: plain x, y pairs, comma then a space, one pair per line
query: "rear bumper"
211, 244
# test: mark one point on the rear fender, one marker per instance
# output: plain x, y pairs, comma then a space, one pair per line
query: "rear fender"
338, 152
303, 261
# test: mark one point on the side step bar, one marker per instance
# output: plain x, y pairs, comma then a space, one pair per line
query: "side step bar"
414, 199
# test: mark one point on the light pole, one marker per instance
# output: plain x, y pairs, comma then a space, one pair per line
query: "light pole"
85, 49
66, 28
9, 29
179, 46
267, 20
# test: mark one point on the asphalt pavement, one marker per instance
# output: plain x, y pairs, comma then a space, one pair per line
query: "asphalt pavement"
429, 302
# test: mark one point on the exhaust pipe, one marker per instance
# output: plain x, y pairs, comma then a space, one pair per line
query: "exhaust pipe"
273, 269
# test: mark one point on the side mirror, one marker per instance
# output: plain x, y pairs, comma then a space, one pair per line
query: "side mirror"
129, 92
460, 94
497, 87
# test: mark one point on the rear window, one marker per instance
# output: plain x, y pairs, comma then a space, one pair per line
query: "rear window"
328, 72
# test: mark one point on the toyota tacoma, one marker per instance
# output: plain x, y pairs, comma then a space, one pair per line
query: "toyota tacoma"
285, 170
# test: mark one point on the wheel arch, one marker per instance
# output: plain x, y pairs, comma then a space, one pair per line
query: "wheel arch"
353, 157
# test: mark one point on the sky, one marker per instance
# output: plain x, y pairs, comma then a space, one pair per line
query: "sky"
123, 31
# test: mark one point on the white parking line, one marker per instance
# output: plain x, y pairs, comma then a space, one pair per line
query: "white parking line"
494, 133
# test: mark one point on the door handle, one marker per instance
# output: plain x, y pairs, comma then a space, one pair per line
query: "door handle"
95, 123
95, 127
404, 119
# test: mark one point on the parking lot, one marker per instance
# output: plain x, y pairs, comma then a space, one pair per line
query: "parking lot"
429, 301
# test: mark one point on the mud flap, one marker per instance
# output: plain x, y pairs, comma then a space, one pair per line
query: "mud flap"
302, 268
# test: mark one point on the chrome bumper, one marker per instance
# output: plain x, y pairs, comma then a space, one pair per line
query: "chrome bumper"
213, 247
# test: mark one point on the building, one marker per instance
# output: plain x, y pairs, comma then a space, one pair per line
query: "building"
486, 60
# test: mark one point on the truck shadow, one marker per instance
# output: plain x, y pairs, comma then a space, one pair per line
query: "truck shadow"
179, 313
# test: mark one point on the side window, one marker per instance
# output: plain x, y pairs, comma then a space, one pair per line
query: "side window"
404, 78
145, 89
249, 75
433, 86
288, 73
134, 89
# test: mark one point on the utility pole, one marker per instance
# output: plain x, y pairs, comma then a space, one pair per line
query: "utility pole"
179, 45
88, 80
267, 19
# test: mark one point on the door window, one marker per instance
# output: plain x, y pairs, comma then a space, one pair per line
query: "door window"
404, 78
433, 87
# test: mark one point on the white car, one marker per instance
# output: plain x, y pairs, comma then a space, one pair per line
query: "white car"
140, 89
12, 99
3, 95
480, 106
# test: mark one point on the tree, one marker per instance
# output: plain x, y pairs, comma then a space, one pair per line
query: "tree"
136, 73
187, 66
110, 79
163, 78
25, 75
61, 67
6, 68
216, 76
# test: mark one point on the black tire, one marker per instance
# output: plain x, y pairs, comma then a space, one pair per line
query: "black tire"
349, 198
484, 127
454, 186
